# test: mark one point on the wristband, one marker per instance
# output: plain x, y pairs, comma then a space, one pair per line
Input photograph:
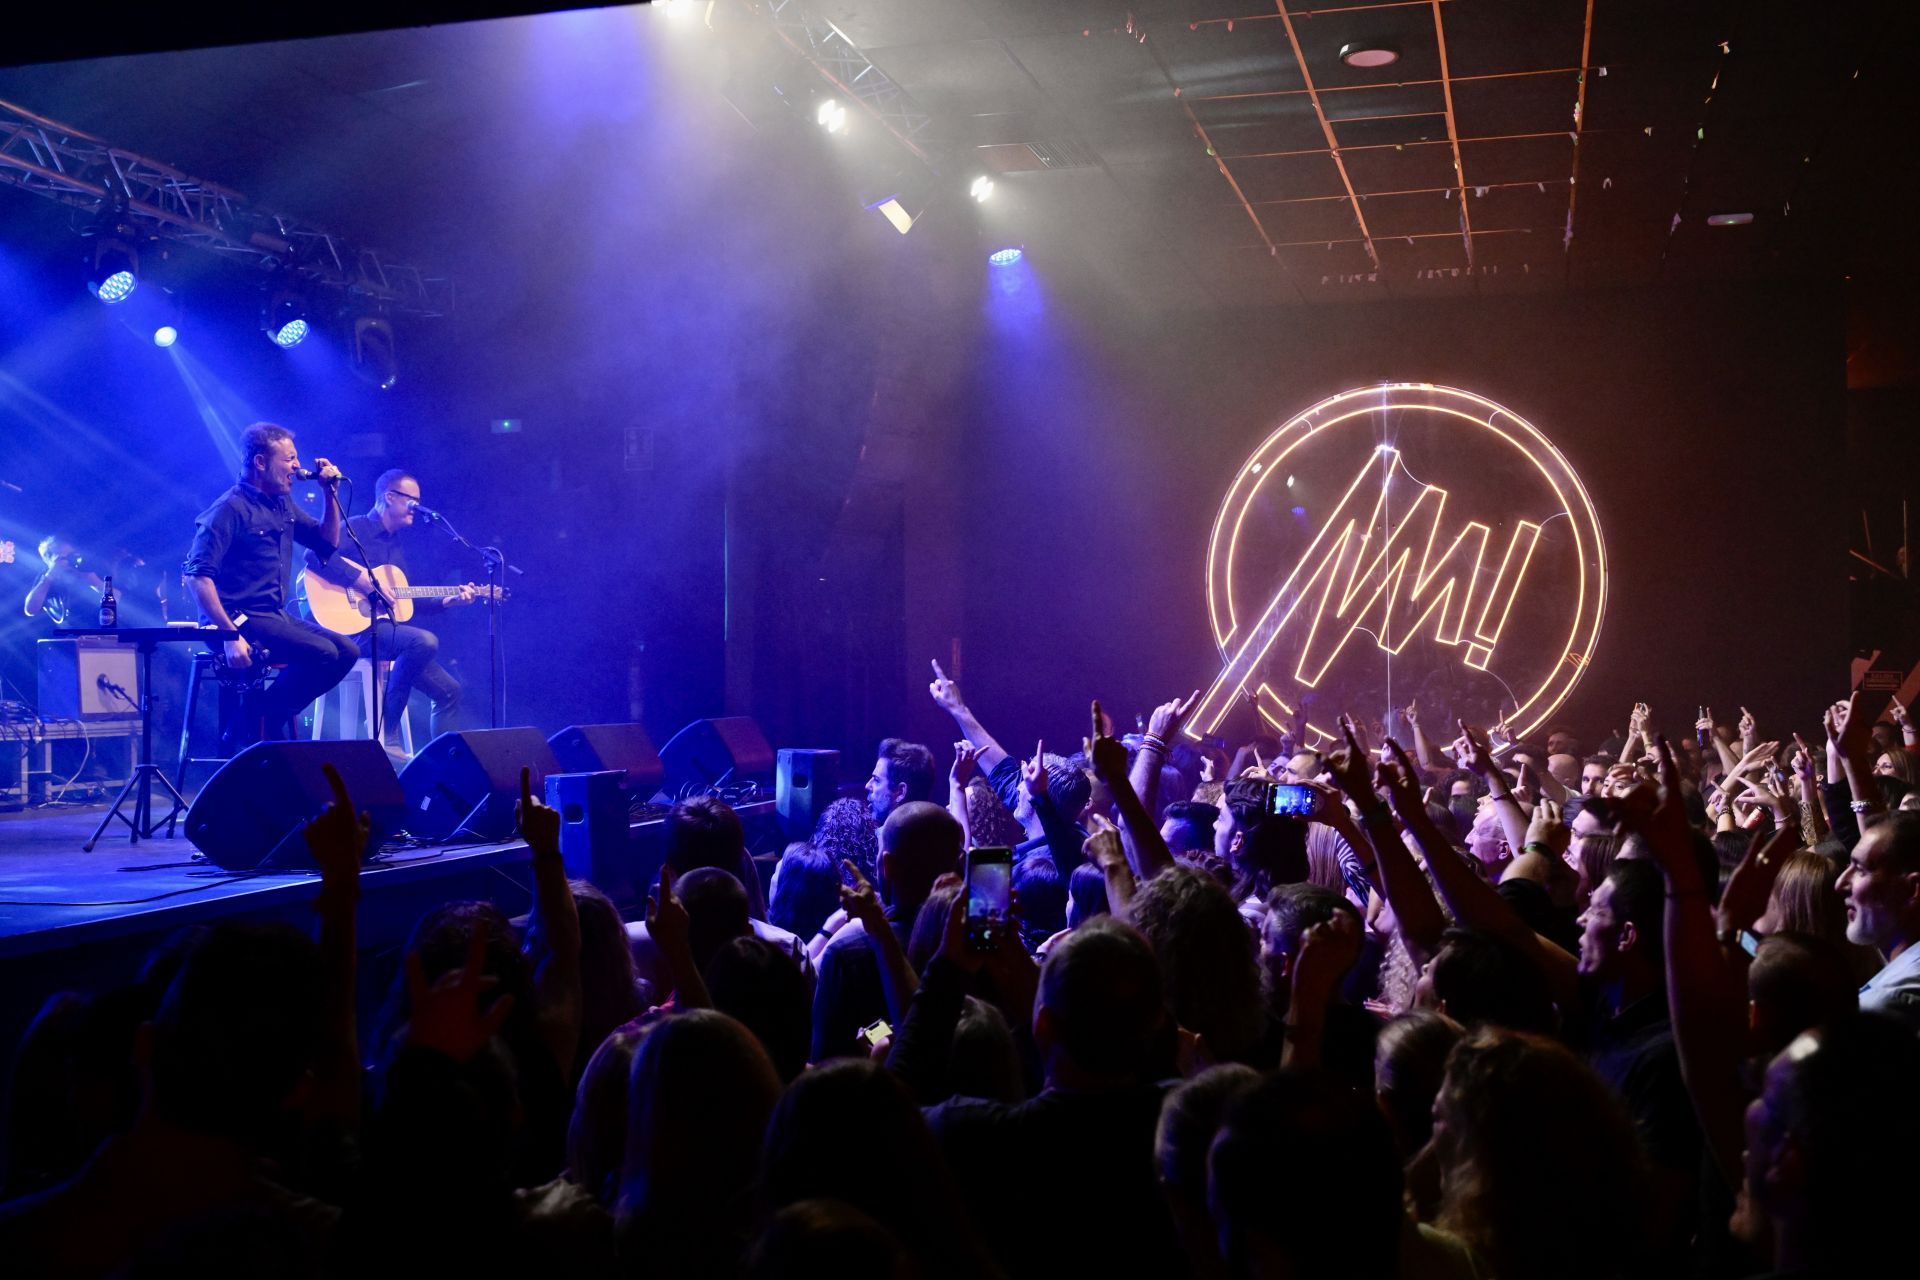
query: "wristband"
1536, 846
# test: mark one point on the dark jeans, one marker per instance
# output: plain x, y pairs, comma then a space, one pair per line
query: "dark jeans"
411, 650
315, 658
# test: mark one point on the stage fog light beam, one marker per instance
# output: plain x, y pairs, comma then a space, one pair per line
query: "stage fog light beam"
982, 189
165, 336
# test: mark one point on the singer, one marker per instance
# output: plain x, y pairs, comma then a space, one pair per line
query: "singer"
411, 650
240, 569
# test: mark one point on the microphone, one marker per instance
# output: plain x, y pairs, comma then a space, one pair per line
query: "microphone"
425, 513
106, 686
305, 473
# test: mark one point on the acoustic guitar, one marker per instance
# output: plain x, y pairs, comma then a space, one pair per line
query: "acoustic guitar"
347, 612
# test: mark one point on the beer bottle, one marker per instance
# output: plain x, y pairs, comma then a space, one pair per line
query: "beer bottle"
109, 607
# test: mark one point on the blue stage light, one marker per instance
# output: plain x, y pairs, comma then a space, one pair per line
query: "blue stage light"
165, 336
1004, 257
116, 287
291, 334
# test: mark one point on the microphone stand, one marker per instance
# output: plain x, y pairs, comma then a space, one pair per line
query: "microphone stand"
497, 568
374, 602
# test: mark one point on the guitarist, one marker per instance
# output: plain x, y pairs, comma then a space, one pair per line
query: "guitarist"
411, 650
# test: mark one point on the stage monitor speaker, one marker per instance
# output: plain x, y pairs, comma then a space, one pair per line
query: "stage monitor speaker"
727, 752
250, 813
624, 748
467, 782
78, 679
593, 823
804, 783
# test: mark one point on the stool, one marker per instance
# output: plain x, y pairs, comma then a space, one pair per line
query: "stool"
234, 683
337, 697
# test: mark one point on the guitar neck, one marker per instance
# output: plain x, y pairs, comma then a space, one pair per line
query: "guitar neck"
419, 593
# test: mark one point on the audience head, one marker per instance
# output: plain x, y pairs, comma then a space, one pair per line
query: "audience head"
1304, 1141
1189, 1119
609, 995
1099, 1017
1622, 928
1206, 956
919, 842
1292, 909
1043, 898
986, 1060
717, 912
1068, 786
1409, 1062
1796, 981
991, 822
812, 1238
597, 1133
847, 832
1882, 884
903, 771
1086, 894
1476, 978
1830, 1147
806, 890
1188, 826
1591, 856
1593, 775
759, 984
1806, 898
704, 831
1507, 1098
1266, 849
930, 924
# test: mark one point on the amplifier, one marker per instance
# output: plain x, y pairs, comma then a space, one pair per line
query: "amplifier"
79, 678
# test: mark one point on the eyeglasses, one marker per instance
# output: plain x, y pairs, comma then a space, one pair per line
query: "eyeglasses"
401, 493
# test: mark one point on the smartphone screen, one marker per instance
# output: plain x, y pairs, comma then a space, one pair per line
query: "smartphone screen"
1292, 799
989, 892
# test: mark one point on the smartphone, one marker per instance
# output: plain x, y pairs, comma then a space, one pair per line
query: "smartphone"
874, 1032
989, 894
1291, 799
1750, 942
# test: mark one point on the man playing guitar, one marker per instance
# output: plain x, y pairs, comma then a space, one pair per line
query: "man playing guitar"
240, 569
410, 649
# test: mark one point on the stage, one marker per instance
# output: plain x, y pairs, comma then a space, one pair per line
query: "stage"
72, 920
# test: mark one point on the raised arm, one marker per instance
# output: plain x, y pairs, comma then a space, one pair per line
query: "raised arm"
1327, 952
1423, 749
1704, 728
670, 928
1473, 752
946, 695
1909, 737
555, 929
965, 764
1163, 729
1150, 853
1851, 734
1417, 911
897, 979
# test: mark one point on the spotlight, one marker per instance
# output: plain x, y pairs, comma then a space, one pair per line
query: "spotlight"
373, 357
1729, 219
1289, 482
114, 272
1005, 257
831, 115
981, 189
1300, 511
285, 317
165, 336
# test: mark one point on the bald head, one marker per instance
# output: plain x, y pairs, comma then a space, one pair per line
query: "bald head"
919, 842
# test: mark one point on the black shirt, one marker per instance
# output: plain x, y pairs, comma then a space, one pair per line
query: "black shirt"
380, 546
244, 542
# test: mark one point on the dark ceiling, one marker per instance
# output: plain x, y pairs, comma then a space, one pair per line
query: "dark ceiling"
1204, 152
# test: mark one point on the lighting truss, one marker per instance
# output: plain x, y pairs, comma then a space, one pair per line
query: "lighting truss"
60, 162
839, 61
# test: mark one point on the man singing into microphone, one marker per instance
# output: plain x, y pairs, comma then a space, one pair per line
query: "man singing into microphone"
240, 570
411, 650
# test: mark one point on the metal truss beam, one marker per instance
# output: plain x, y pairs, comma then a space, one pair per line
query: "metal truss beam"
840, 62
62, 163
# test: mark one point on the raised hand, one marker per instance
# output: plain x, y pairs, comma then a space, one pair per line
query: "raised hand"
1033, 773
966, 763
1412, 713
1847, 727
446, 1016
667, 921
1803, 764
1549, 828
337, 839
1351, 769
1749, 728
860, 901
1659, 813
1471, 749
1704, 725
1402, 781
1103, 847
539, 825
946, 694
1744, 900
1170, 717
1327, 951
1897, 712
1106, 752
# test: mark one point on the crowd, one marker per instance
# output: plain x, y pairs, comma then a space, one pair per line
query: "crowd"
1353, 1006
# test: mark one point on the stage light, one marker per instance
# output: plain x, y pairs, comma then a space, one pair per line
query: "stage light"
893, 211
1729, 219
165, 336
286, 317
1005, 257
1299, 511
1289, 482
981, 189
112, 258
831, 115
1366, 56
373, 356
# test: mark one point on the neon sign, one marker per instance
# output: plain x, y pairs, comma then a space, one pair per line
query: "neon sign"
1438, 546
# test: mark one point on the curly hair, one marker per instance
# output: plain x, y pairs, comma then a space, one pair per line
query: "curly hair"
991, 823
846, 831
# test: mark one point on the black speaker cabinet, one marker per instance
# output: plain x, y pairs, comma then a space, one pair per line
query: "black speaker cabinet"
624, 748
804, 783
466, 783
715, 753
250, 813
593, 823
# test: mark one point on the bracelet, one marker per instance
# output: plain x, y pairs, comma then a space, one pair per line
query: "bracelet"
1506, 796
1859, 806
1536, 846
1153, 742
